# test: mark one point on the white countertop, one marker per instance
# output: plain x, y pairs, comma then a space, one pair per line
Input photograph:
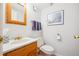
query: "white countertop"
17, 44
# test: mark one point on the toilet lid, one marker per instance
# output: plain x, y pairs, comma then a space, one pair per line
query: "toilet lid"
47, 48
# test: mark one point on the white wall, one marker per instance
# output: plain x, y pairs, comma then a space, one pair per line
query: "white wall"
68, 45
15, 30
33, 16
1, 26
1, 19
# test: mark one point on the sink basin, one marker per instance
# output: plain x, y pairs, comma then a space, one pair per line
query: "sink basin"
21, 41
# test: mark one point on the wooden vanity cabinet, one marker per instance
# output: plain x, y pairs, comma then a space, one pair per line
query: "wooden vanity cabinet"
28, 50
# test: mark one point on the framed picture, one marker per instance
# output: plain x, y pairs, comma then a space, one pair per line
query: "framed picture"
56, 18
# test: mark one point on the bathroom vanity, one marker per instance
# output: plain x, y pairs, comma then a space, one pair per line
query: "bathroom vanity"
24, 47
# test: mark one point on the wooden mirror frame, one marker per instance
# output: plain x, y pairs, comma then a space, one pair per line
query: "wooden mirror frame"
9, 17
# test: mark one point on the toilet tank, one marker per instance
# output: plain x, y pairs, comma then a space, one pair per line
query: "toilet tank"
40, 41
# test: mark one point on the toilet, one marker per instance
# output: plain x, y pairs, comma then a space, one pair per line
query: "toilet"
47, 49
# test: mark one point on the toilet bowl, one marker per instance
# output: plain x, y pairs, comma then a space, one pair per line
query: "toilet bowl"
47, 49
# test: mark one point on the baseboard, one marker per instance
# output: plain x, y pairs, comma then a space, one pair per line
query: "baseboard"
57, 54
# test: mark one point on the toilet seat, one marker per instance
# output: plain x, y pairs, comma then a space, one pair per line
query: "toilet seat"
47, 49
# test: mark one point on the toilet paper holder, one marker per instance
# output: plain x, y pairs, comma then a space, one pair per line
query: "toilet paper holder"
58, 36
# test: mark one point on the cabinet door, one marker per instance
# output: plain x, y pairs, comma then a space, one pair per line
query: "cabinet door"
24, 51
33, 53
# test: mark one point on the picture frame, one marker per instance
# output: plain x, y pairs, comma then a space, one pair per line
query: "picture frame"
56, 18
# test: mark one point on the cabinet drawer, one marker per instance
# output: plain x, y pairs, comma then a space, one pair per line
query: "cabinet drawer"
23, 51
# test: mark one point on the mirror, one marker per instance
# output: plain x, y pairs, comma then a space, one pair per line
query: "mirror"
16, 13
